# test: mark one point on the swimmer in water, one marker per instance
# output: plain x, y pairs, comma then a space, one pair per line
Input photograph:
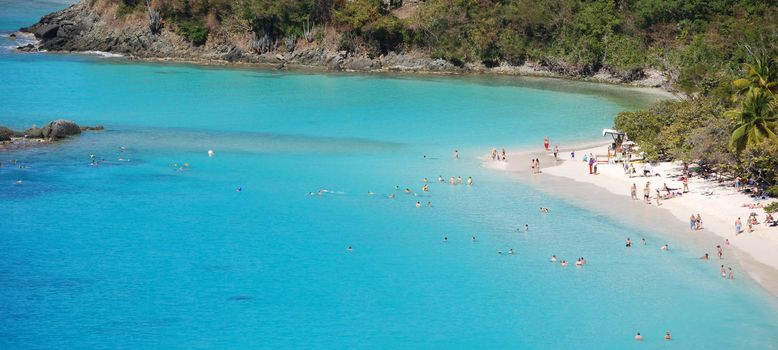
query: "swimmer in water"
644, 241
469, 181
473, 238
418, 204
638, 337
510, 251
667, 335
563, 263
553, 258
238, 189
370, 193
499, 252
425, 180
210, 153
731, 274
704, 257
629, 243
441, 179
18, 182
425, 188
429, 204
349, 248
445, 238
578, 263
452, 181
723, 272
526, 227
396, 187
407, 191
665, 247
391, 196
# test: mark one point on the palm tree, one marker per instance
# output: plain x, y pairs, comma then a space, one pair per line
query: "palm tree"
762, 73
756, 120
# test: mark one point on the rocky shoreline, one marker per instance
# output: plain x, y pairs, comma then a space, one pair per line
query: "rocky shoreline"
82, 28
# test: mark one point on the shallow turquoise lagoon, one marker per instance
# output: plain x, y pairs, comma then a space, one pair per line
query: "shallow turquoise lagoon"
134, 253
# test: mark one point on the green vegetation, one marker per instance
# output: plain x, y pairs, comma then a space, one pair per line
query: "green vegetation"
194, 31
700, 41
735, 136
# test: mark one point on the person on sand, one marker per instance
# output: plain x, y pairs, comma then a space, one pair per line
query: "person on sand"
591, 164
719, 252
658, 196
699, 222
692, 222
638, 337
556, 151
572, 155
629, 243
647, 193
768, 218
667, 336
633, 191
704, 257
738, 226
494, 153
685, 184
726, 241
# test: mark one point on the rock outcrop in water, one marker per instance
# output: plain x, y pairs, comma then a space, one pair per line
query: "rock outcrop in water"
53, 131
84, 28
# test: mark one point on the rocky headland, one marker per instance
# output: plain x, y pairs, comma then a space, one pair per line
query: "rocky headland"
85, 27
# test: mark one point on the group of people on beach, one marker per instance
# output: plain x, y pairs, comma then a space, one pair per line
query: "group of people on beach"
499, 155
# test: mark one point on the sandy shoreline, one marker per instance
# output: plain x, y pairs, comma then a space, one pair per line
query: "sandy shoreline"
609, 191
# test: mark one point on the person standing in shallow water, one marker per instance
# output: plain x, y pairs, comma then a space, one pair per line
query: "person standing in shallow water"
546, 143
456, 154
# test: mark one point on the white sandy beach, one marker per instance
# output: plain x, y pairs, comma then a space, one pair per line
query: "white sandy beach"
757, 251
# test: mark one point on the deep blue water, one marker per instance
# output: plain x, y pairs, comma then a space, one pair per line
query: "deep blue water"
137, 254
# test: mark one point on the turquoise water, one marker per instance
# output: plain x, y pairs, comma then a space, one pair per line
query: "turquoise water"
136, 254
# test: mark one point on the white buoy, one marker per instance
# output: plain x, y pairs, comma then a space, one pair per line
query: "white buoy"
210, 153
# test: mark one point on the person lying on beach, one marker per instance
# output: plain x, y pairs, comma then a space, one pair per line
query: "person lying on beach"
752, 205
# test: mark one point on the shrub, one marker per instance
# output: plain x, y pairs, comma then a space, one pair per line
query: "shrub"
194, 31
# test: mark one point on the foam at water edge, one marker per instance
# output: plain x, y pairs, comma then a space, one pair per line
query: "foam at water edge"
102, 54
